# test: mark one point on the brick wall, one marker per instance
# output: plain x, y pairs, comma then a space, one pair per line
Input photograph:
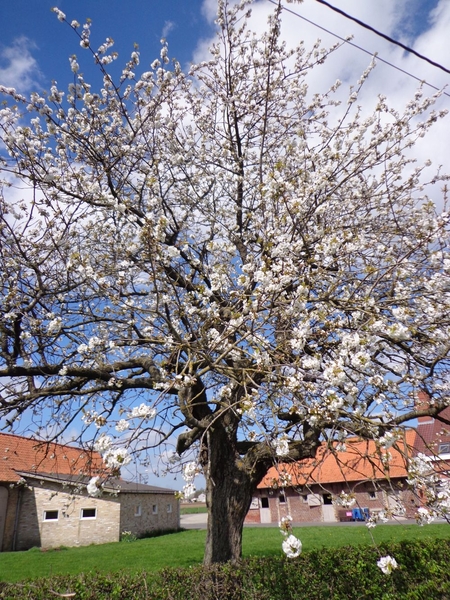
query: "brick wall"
69, 528
147, 512
296, 501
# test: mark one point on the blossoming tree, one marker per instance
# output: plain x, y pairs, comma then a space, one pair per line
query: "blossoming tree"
220, 256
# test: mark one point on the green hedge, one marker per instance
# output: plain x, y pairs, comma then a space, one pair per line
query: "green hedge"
336, 574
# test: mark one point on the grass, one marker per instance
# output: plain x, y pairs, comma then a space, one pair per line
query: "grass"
185, 548
193, 509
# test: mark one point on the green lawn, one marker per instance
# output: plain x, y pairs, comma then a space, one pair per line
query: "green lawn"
193, 509
186, 548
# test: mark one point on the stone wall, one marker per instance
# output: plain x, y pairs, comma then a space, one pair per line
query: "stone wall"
148, 512
75, 518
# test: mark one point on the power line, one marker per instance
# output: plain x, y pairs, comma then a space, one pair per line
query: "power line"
379, 58
383, 35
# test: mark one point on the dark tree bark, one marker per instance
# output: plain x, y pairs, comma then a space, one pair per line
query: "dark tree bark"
229, 491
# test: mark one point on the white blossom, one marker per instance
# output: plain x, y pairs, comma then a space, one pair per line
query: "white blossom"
143, 411
190, 470
285, 525
93, 488
292, 546
122, 425
103, 443
115, 458
424, 516
281, 446
59, 13
387, 564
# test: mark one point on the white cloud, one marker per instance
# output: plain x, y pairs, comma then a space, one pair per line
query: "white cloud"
168, 27
18, 67
395, 19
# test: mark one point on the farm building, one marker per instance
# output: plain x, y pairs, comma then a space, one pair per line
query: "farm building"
44, 503
307, 490
433, 438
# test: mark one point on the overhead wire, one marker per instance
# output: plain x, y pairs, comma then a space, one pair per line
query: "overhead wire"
383, 35
372, 54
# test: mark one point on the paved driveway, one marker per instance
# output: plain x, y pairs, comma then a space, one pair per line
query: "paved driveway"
195, 521
198, 521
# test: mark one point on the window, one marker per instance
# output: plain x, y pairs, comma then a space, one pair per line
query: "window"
372, 495
138, 510
327, 499
444, 448
169, 508
155, 509
88, 513
264, 502
255, 503
50, 515
282, 499
305, 498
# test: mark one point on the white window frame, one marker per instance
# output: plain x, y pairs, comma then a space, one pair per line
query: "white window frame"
83, 518
372, 495
169, 508
44, 517
155, 509
138, 510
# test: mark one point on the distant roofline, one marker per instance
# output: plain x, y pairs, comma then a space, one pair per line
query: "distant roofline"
115, 486
72, 445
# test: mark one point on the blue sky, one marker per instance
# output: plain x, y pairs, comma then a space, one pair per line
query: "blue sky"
35, 46
138, 21
29, 30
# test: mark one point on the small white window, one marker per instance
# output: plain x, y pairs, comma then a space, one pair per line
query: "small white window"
155, 509
282, 499
137, 510
50, 515
88, 513
372, 495
305, 498
444, 448
169, 508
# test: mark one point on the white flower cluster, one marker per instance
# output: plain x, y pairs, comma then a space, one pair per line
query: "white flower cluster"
375, 517
387, 564
59, 13
389, 439
190, 470
247, 407
424, 516
90, 417
117, 458
281, 446
291, 545
114, 458
54, 326
143, 411
434, 490
93, 488
345, 500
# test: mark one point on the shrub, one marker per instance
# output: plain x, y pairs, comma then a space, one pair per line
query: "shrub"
336, 574
152, 533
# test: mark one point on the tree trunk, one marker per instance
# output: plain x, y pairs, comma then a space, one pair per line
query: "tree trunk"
229, 490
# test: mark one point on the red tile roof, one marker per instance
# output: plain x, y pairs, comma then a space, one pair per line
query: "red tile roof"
361, 461
25, 454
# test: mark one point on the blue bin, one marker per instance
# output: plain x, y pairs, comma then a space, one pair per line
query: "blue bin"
357, 514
